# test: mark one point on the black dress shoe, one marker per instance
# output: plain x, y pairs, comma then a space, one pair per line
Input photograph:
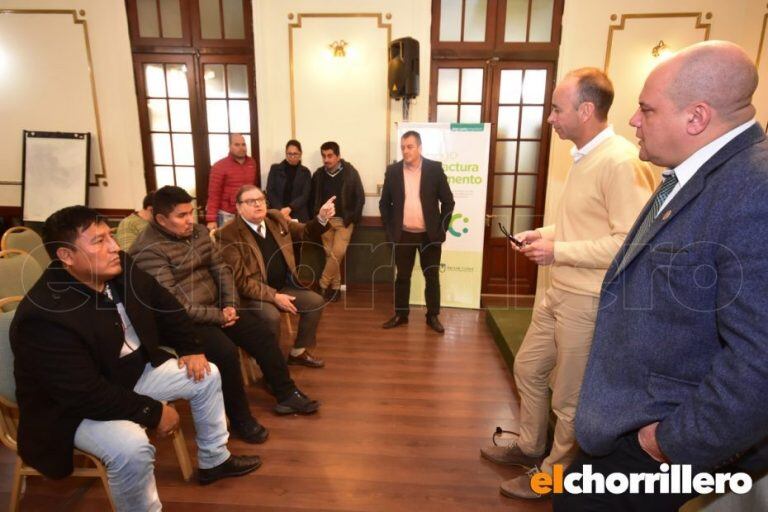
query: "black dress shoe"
297, 403
235, 465
435, 324
306, 359
395, 321
252, 432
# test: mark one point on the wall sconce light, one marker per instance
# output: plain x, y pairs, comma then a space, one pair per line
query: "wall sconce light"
338, 48
660, 50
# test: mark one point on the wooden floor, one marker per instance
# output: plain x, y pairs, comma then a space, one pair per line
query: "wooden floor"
404, 415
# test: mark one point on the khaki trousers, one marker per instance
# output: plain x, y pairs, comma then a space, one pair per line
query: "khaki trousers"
335, 242
554, 353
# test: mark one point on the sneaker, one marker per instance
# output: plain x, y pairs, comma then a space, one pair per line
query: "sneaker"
235, 465
520, 486
297, 403
306, 359
510, 455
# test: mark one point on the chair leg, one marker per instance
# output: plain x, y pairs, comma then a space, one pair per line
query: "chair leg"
16, 486
105, 481
288, 323
182, 455
244, 367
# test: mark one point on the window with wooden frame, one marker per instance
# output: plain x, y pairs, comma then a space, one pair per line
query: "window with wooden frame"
494, 61
194, 69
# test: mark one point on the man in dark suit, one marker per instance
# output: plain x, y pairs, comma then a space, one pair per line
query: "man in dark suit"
677, 372
416, 207
90, 372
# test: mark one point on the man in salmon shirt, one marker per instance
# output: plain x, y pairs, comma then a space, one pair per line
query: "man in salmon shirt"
227, 176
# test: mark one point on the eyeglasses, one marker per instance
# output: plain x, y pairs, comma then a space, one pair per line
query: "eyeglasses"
293, 154
254, 202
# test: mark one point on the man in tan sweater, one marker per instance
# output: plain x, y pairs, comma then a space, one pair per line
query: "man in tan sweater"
606, 188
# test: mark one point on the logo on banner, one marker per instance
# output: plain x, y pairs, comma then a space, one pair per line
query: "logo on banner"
454, 218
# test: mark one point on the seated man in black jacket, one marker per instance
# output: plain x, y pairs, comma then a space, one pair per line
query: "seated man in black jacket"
90, 373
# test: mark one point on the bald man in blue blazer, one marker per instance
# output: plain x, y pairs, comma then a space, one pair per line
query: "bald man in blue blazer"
678, 371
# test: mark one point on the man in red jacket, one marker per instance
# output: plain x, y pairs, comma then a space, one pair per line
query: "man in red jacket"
227, 176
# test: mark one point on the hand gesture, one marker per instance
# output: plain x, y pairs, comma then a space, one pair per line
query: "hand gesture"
328, 210
169, 422
230, 316
285, 302
197, 366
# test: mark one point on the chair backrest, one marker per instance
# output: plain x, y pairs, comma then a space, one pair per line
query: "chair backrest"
7, 382
18, 273
27, 240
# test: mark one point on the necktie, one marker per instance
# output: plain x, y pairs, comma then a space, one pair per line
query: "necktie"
260, 230
670, 180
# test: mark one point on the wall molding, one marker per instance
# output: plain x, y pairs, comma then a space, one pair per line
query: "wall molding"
78, 18
655, 15
762, 40
297, 25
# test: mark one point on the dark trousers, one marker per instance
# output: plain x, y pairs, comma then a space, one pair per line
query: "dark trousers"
429, 257
310, 306
220, 346
628, 457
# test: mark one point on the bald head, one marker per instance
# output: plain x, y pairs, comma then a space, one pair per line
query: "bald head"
718, 73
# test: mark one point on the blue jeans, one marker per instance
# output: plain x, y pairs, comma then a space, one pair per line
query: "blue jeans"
123, 446
223, 217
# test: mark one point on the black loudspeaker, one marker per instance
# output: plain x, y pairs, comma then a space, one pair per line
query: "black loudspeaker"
403, 76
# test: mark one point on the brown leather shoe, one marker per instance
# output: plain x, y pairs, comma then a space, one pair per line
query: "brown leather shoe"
306, 359
520, 487
435, 324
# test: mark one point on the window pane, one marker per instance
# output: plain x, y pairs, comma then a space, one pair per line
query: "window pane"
503, 188
183, 152
450, 20
158, 116
164, 176
474, 20
472, 85
505, 156
534, 86
147, 13
470, 114
531, 125
447, 113
161, 149
210, 19
541, 21
214, 81
526, 190
180, 121
523, 220
508, 119
170, 14
218, 147
503, 216
239, 116
237, 80
185, 178
447, 85
155, 78
176, 74
511, 85
516, 21
529, 157
234, 26
218, 118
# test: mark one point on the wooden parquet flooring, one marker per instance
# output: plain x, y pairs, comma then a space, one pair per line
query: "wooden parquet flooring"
404, 414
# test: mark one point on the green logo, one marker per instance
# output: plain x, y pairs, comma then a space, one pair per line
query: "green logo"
455, 231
